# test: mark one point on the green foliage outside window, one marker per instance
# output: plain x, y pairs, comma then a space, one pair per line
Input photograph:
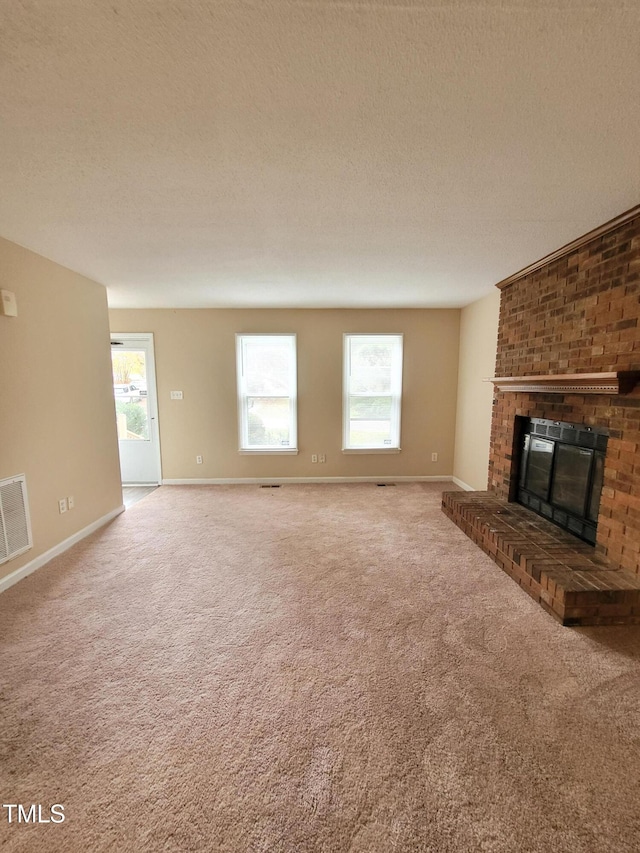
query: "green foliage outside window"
136, 416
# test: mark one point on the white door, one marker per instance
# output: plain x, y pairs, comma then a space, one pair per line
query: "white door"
134, 391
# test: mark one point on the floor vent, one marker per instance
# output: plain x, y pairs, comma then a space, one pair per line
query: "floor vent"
385, 484
15, 525
267, 486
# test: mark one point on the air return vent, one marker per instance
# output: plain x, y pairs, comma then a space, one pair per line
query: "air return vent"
15, 526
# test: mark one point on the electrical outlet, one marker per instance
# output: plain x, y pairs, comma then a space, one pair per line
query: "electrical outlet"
62, 505
314, 457
8, 304
199, 460
71, 502
323, 458
176, 395
434, 457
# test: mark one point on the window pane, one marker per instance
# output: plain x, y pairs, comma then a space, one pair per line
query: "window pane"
370, 380
130, 393
133, 420
267, 391
370, 407
371, 366
268, 421
370, 433
267, 368
370, 421
373, 385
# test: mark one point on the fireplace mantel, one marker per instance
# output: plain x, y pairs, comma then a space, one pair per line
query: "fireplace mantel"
620, 382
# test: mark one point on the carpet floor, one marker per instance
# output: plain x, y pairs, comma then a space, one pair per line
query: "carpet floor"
311, 668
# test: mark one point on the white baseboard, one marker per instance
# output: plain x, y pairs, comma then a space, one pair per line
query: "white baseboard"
58, 549
253, 481
463, 485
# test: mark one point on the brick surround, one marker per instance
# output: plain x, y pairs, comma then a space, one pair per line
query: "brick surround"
578, 314
578, 311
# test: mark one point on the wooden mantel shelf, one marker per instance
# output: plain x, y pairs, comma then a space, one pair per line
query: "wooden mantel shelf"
621, 382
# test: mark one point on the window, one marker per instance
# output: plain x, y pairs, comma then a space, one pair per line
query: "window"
267, 392
372, 392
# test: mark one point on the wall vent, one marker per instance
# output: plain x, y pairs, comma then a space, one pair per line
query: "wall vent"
15, 525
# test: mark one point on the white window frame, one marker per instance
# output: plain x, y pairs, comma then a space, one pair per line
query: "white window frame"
396, 392
243, 421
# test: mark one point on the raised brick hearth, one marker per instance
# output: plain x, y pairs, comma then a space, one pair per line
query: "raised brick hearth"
576, 311
565, 576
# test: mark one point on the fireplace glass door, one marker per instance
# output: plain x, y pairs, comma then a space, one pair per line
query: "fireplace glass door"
538, 475
571, 478
561, 474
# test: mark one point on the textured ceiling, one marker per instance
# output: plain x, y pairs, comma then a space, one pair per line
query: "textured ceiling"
293, 153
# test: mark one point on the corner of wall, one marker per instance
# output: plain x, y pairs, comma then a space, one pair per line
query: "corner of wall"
478, 345
60, 429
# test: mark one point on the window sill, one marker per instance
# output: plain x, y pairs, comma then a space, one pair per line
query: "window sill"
371, 450
271, 452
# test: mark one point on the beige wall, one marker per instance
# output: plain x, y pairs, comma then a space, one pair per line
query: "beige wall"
478, 343
57, 421
195, 353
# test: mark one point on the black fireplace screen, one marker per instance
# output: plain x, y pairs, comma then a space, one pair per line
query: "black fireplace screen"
561, 472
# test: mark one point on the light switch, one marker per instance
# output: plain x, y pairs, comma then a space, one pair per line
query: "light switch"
8, 304
176, 395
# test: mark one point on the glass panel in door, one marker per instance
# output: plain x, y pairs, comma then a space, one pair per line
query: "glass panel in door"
130, 391
136, 408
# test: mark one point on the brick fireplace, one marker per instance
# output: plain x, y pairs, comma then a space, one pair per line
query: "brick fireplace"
575, 312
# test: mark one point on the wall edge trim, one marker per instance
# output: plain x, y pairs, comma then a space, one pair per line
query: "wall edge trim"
463, 485
37, 563
258, 481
